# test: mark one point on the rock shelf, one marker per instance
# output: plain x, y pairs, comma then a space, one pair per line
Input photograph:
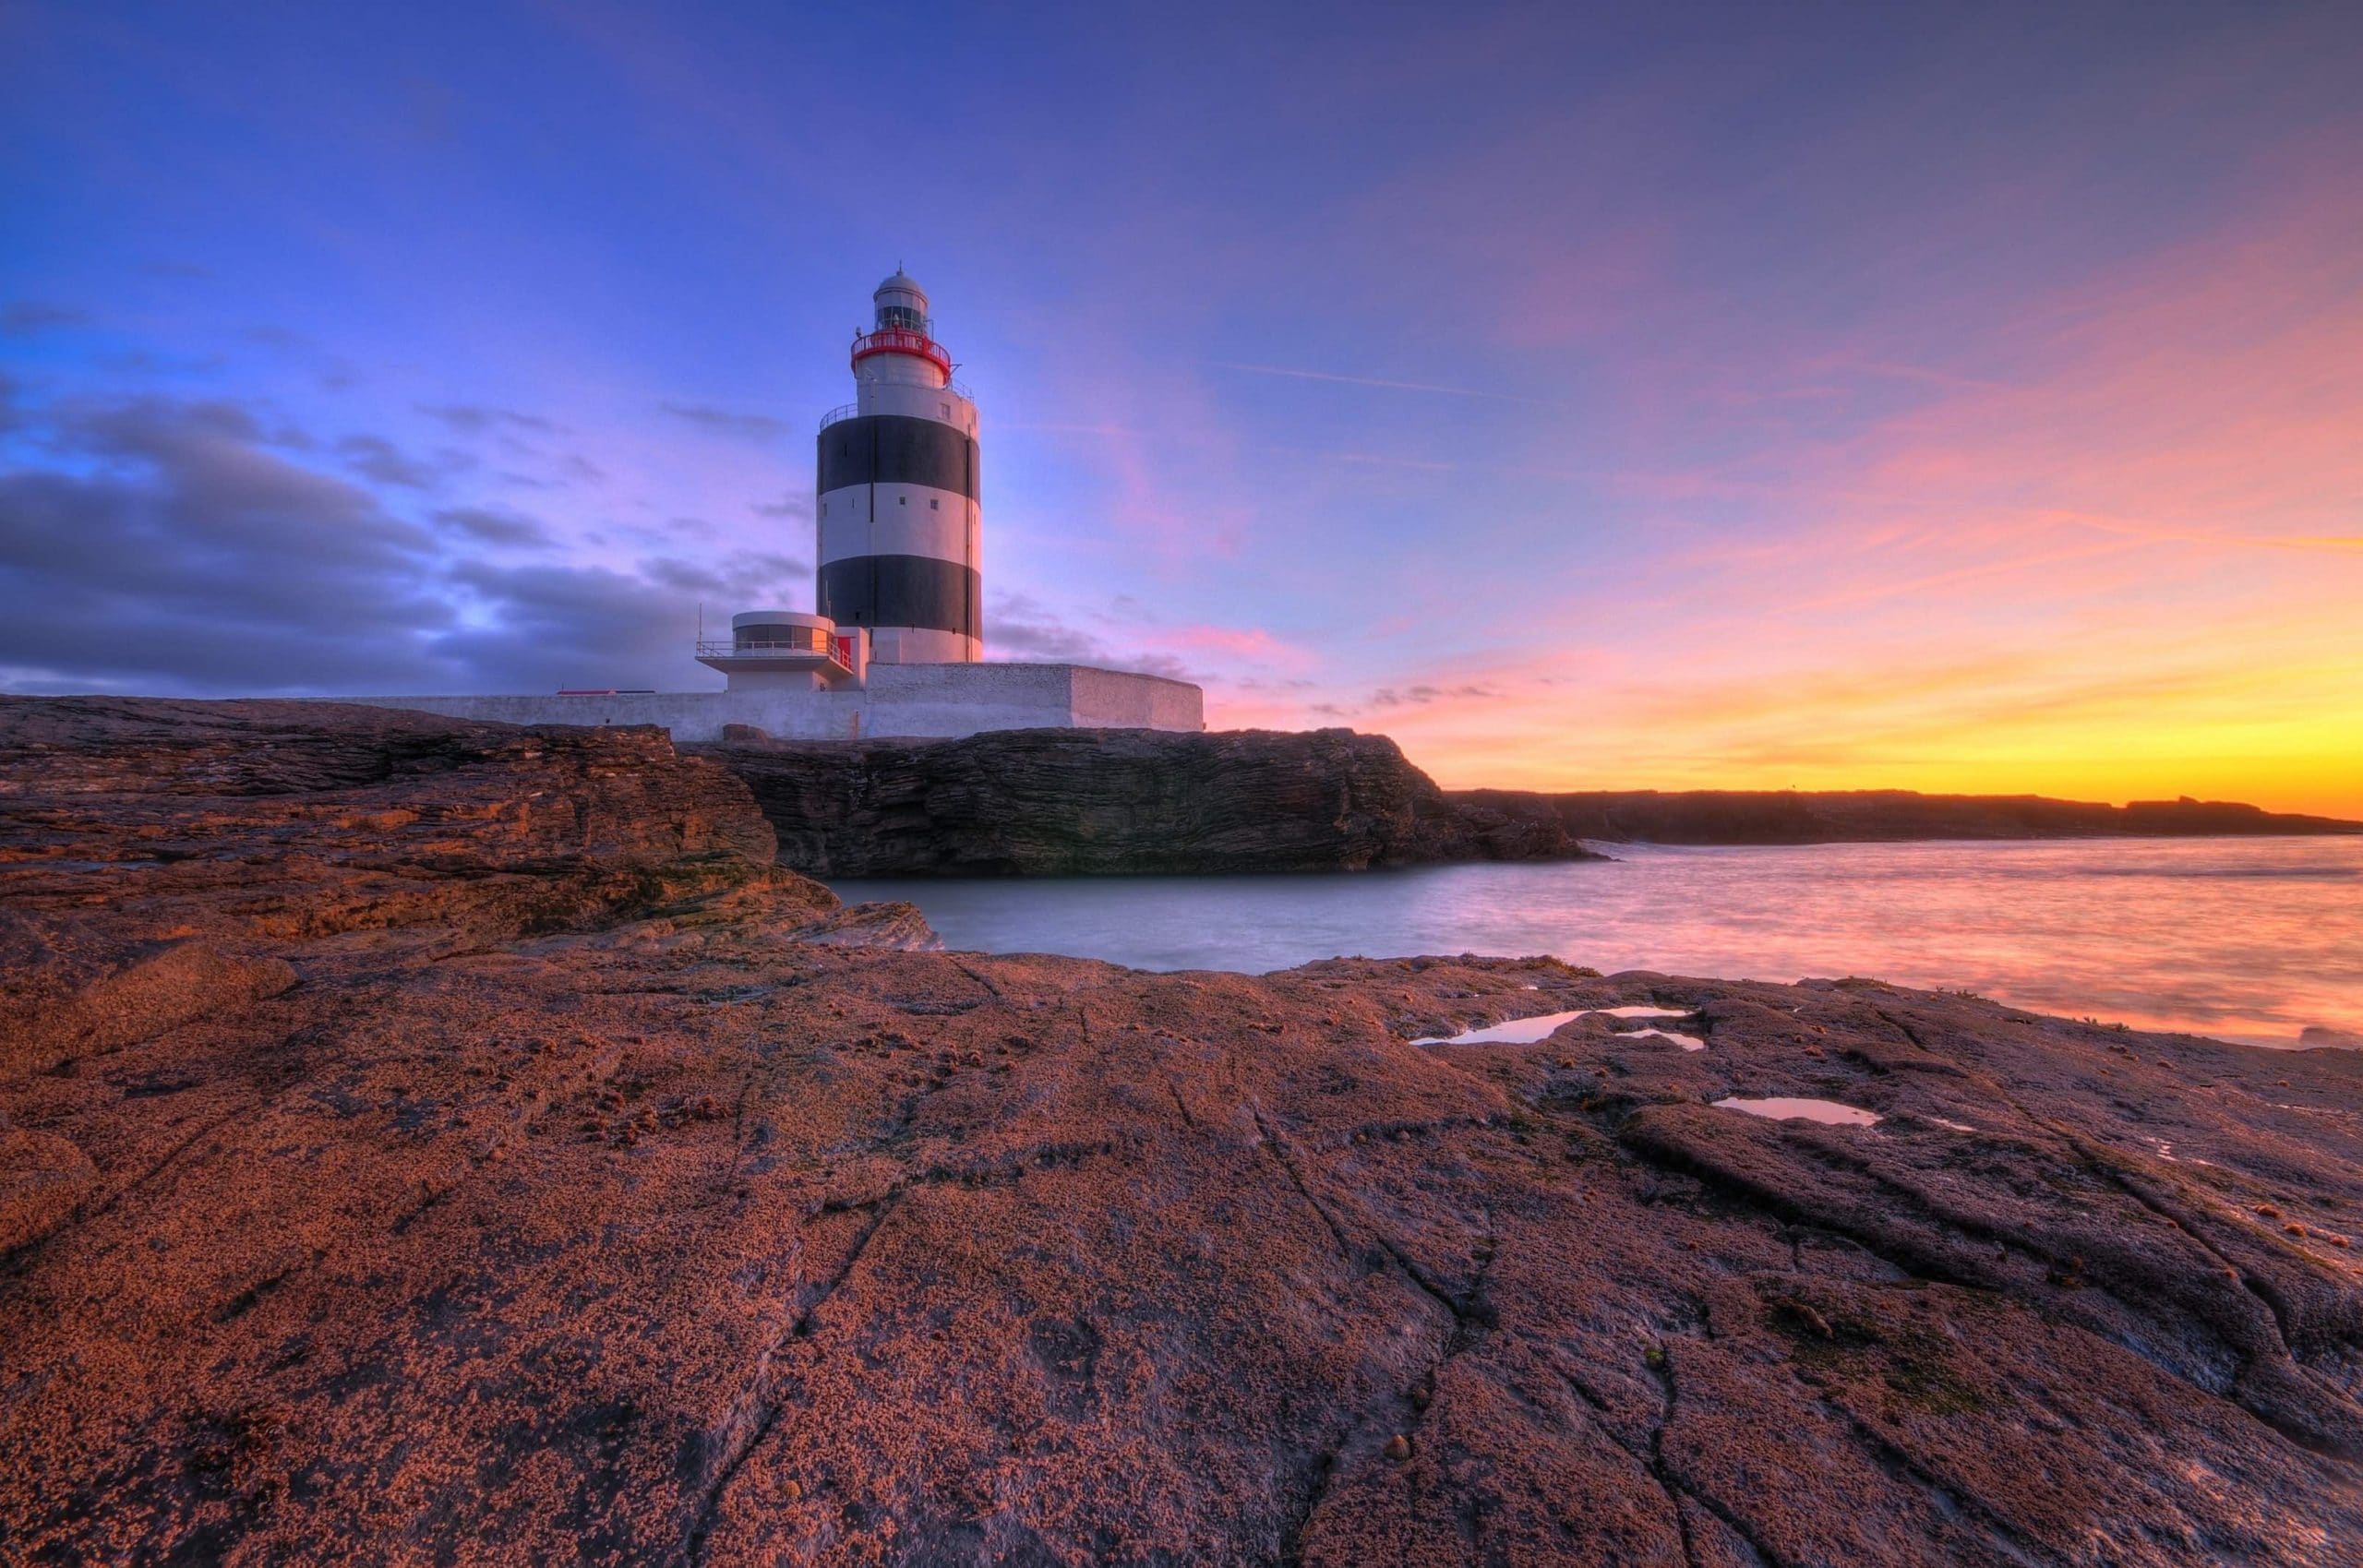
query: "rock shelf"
429, 1141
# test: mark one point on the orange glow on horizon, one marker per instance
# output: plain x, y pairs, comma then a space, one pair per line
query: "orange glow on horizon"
2130, 569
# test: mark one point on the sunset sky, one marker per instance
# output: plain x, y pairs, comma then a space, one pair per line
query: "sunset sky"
1948, 397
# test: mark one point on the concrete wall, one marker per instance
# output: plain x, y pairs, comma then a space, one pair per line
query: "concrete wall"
692, 715
1117, 699
931, 700
955, 700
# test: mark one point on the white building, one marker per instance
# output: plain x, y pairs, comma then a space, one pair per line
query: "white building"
895, 646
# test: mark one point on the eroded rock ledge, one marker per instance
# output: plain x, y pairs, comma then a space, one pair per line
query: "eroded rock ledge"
574, 1193
1096, 802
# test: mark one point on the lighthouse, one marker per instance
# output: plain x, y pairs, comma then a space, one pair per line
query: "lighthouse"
895, 644
896, 508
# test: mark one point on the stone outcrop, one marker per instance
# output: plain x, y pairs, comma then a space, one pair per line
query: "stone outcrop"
1085, 802
160, 857
580, 1187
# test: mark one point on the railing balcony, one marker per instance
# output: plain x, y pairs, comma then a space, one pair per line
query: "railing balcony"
730, 648
847, 411
902, 340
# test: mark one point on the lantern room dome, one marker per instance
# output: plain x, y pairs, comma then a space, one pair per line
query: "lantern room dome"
902, 303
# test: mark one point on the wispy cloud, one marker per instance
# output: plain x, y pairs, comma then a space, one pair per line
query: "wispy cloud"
1377, 381
729, 422
2134, 529
27, 316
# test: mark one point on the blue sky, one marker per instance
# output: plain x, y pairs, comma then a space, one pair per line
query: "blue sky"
1955, 397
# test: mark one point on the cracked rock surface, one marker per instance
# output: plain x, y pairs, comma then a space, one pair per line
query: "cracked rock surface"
515, 1166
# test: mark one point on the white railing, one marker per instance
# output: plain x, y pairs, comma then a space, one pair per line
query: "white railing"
731, 648
847, 411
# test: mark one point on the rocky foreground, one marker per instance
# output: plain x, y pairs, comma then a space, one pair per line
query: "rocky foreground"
431, 1142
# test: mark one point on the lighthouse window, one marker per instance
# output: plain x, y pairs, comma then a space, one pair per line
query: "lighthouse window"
934, 505
809, 638
902, 500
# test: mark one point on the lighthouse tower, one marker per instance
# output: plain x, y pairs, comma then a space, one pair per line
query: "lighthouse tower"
896, 512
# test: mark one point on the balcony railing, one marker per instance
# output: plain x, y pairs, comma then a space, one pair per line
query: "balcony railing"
730, 648
847, 411
901, 340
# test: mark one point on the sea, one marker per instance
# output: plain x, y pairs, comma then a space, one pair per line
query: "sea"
2256, 941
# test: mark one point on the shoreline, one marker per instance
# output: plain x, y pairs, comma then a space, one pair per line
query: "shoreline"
2081, 928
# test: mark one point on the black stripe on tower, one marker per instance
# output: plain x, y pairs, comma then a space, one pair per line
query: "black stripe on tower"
894, 449
917, 590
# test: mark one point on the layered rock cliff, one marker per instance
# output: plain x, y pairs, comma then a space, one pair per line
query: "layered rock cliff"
1080, 802
164, 858
572, 1191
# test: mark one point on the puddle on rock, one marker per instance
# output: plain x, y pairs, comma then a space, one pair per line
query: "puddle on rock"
1829, 1113
1527, 1031
1688, 1042
1515, 1032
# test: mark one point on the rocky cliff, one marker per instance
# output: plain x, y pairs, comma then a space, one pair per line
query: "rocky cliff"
524, 1170
162, 856
1079, 802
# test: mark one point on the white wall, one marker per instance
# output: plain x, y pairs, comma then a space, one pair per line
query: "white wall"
692, 716
922, 645
1119, 699
896, 520
927, 701
914, 401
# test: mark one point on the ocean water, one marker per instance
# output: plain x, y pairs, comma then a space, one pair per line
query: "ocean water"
2249, 939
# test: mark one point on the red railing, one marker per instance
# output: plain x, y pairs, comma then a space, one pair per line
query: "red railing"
901, 340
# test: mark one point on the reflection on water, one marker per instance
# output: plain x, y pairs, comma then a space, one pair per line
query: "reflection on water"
1688, 1042
1526, 1031
1516, 1031
1829, 1113
2244, 938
